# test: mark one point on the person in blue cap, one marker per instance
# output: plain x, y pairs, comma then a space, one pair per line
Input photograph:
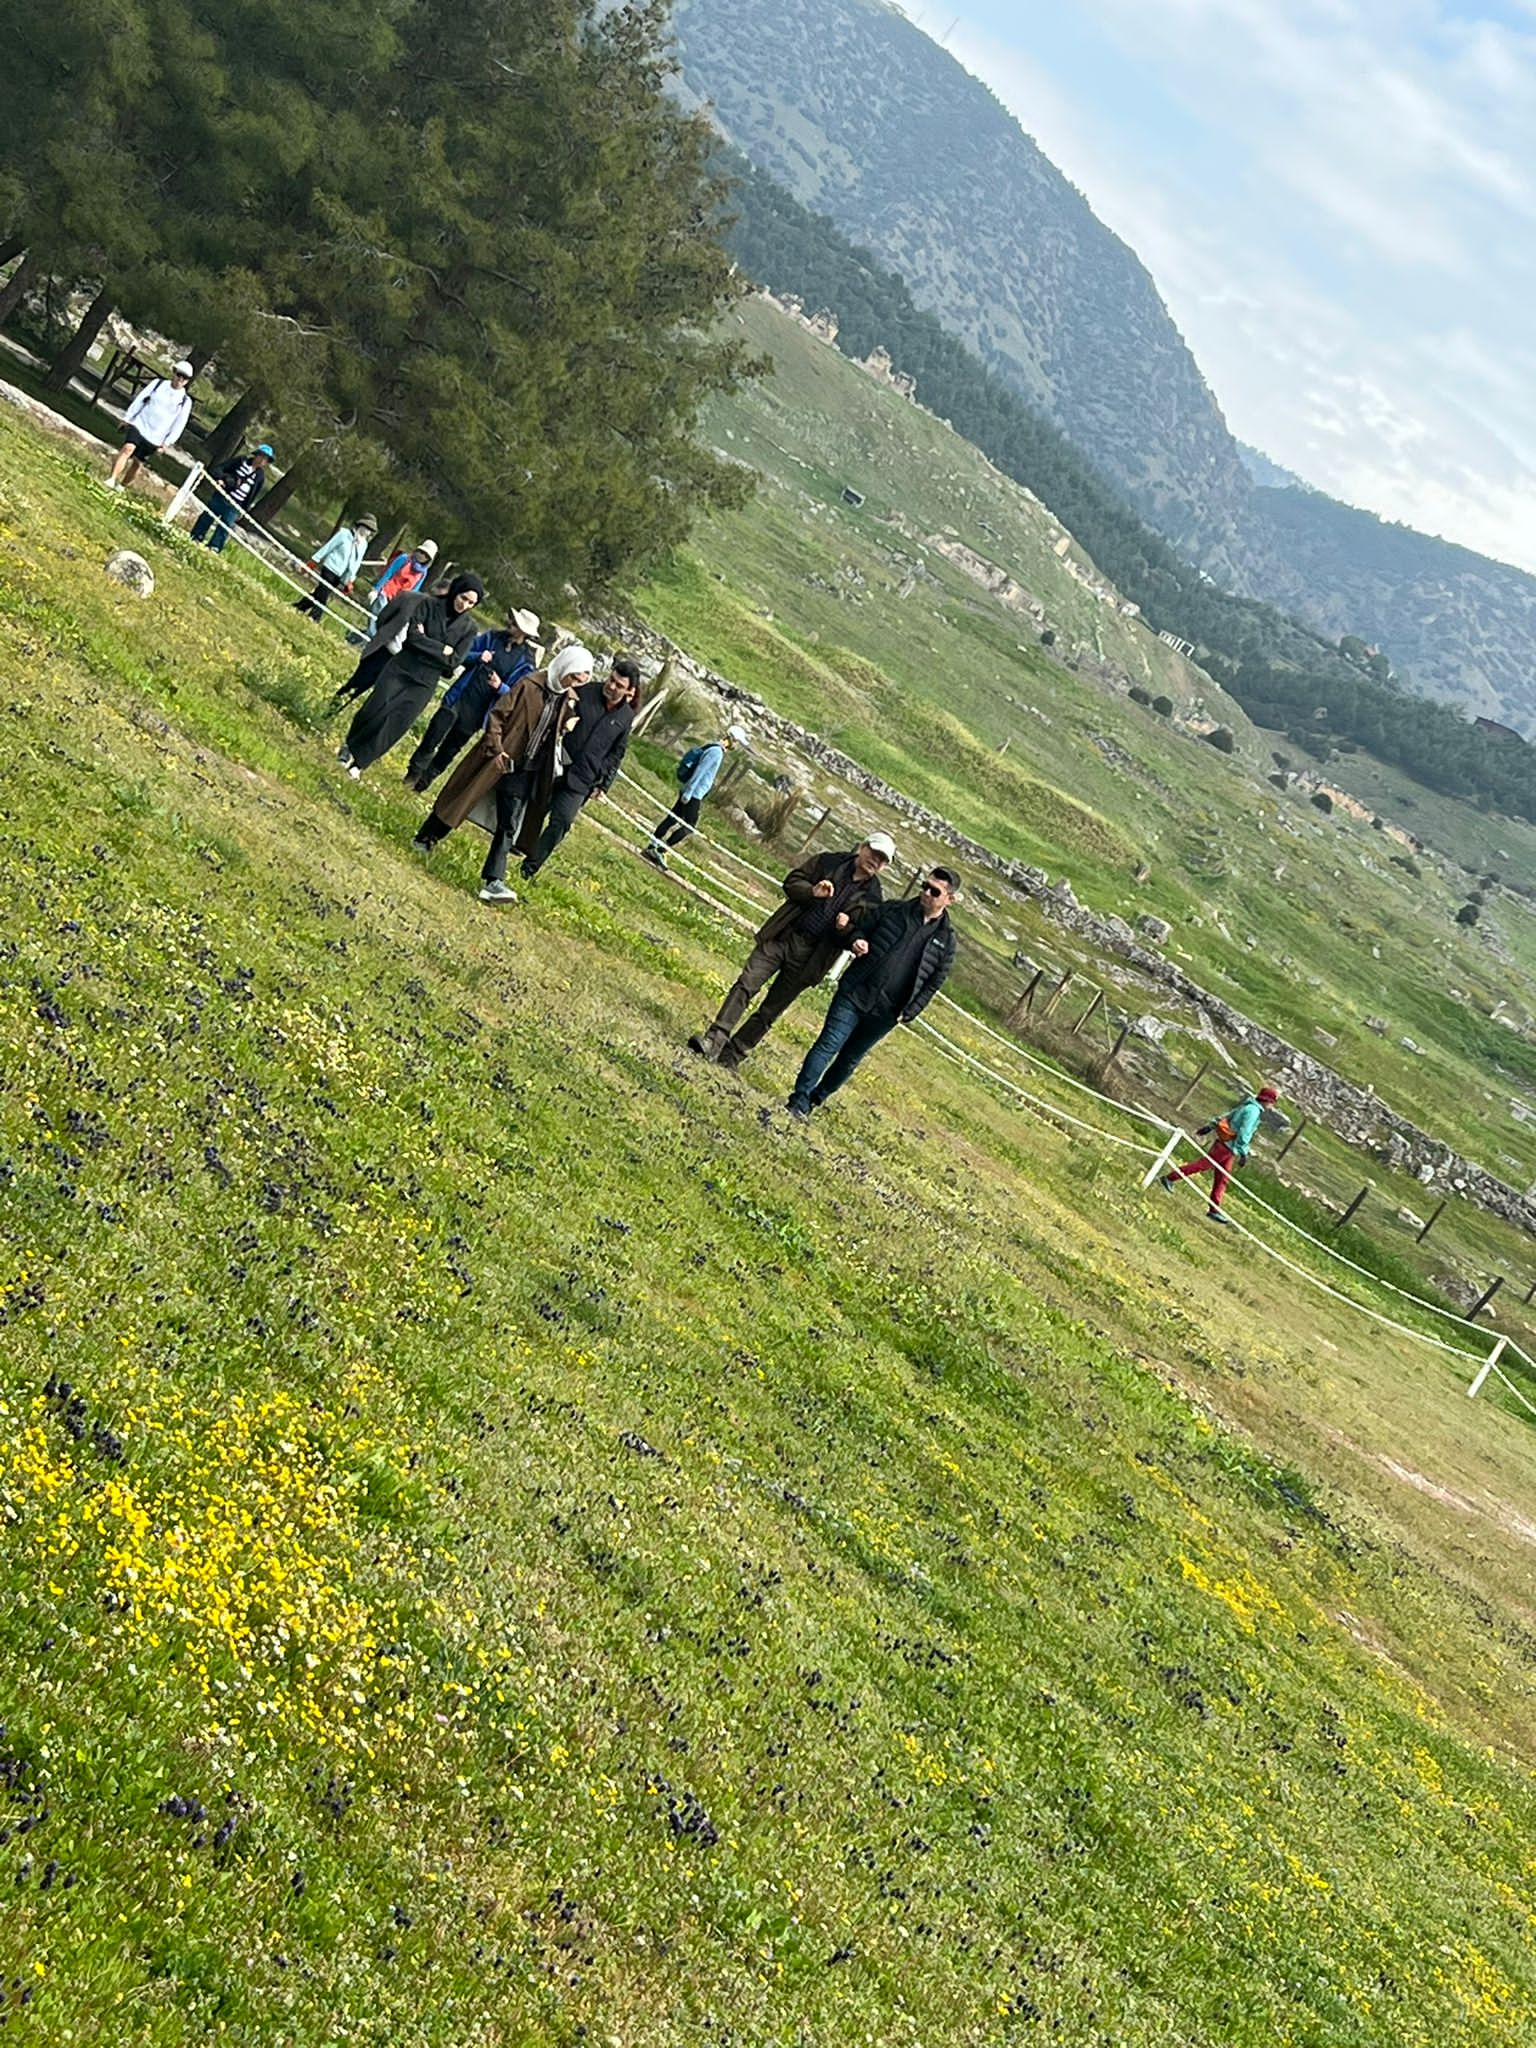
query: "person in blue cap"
236, 485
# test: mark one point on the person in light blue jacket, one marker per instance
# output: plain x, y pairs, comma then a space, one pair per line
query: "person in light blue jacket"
337, 563
696, 773
1230, 1137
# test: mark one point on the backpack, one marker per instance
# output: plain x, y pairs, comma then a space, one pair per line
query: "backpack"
689, 762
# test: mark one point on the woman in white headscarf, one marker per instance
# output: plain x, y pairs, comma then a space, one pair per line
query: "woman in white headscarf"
517, 759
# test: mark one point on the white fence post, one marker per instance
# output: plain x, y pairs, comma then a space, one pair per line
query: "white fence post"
1486, 1367
178, 504
1159, 1165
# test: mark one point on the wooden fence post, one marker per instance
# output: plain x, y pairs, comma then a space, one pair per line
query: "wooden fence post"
1429, 1226
1059, 991
1349, 1212
825, 814
1530, 1294
1092, 1011
1118, 1046
1026, 1002
1484, 1298
1290, 1141
1192, 1086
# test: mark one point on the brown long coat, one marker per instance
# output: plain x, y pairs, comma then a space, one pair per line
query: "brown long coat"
507, 732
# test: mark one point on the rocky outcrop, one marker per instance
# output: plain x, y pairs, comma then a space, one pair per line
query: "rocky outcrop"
1356, 1114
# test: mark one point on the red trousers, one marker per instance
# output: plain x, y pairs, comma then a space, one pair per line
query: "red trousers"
1219, 1163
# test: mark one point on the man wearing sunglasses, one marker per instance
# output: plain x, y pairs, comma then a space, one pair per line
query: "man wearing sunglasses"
899, 966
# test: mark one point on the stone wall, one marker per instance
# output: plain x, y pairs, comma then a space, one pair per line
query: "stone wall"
1356, 1114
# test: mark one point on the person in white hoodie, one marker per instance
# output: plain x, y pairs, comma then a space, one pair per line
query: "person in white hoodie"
156, 419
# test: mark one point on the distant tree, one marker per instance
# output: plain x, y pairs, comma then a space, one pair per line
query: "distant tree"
1321, 800
1138, 695
1221, 739
1468, 914
1163, 706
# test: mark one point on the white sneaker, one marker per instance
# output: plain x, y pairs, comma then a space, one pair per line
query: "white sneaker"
354, 771
110, 483
497, 892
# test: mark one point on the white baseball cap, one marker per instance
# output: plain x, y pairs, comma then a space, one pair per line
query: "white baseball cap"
882, 842
427, 548
526, 622
738, 735
183, 369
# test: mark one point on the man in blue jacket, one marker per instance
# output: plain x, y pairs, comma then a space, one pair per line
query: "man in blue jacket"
1231, 1136
899, 965
696, 773
497, 662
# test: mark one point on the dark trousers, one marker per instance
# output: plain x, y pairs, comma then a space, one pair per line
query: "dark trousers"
512, 794
387, 714
779, 962
564, 808
679, 822
452, 728
215, 523
314, 605
848, 1034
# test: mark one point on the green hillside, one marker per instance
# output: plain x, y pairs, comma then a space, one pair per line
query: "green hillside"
509, 1542
851, 620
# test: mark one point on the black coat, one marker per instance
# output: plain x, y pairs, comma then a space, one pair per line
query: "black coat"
436, 639
937, 957
595, 749
862, 905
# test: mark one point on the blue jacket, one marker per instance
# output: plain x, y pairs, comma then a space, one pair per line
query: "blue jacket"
508, 664
1244, 1119
701, 777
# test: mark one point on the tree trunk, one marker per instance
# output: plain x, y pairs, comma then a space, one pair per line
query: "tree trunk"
15, 287
71, 358
231, 431
274, 500
10, 248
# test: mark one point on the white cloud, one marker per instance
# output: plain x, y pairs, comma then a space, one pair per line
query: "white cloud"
1357, 278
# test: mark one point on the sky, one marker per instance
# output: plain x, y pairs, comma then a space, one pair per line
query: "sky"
1337, 200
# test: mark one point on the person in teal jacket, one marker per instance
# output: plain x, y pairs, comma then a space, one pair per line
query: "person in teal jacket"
1230, 1138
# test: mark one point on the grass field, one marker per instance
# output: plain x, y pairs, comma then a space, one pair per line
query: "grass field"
1300, 920
509, 1542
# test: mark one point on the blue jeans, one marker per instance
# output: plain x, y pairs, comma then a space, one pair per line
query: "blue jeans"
213, 525
848, 1034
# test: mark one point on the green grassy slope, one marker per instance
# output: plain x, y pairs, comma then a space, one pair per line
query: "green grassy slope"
506, 1544
1274, 907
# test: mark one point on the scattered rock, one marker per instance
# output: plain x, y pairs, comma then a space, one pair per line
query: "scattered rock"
1379, 1025
1157, 929
1324, 1037
1154, 1029
132, 571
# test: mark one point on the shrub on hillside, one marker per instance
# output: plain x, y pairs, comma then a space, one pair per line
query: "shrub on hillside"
1140, 696
1221, 739
1163, 706
1321, 800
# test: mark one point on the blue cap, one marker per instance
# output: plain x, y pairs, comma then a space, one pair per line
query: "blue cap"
264, 448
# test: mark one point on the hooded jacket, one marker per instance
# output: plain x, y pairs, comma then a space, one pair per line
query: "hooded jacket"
343, 553
160, 412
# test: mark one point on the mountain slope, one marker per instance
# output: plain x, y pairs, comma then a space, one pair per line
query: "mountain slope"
866, 119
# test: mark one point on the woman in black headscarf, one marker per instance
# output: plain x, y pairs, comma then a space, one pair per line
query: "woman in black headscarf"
436, 642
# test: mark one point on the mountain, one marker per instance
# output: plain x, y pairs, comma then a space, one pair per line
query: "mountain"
866, 119
1261, 470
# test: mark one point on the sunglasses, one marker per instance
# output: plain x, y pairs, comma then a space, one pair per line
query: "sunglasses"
933, 889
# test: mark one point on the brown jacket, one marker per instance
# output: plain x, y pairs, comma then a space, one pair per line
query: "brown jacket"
799, 887
508, 730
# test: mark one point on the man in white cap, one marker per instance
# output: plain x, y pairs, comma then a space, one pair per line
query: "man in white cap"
155, 420
827, 899
497, 662
696, 773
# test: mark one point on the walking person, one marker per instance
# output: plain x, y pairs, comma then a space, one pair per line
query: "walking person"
236, 485
407, 572
155, 420
696, 773
1231, 1139
594, 752
516, 763
336, 565
437, 637
497, 660
899, 966
827, 898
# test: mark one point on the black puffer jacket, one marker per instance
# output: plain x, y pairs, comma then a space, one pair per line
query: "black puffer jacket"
594, 751
890, 928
